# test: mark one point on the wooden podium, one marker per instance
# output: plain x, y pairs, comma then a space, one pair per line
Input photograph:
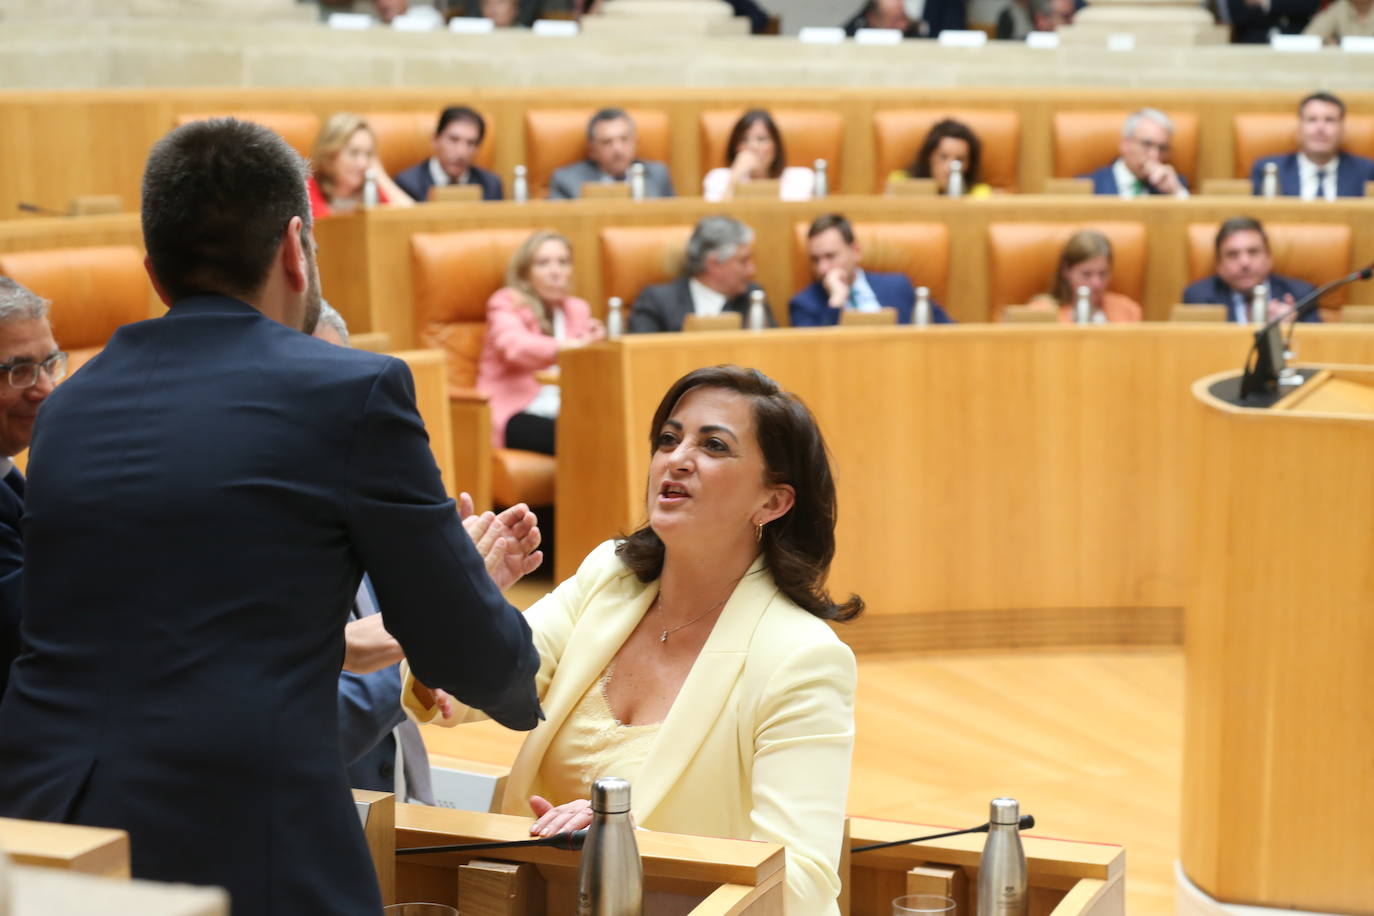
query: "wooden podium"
1278, 775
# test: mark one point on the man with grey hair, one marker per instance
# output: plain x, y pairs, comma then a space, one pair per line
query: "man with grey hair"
1142, 165
716, 273
612, 150
32, 364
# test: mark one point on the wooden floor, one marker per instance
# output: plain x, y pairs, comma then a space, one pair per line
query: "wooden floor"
1090, 742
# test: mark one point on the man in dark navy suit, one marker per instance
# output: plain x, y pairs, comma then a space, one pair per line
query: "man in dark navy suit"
30, 364
1319, 169
204, 498
841, 283
1244, 262
1142, 166
456, 140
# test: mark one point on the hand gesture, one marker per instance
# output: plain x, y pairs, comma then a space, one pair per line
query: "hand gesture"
835, 284
1278, 307
596, 330
1162, 177
746, 165
551, 819
368, 647
508, 543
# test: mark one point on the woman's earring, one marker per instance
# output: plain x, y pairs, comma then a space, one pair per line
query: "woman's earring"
758, 531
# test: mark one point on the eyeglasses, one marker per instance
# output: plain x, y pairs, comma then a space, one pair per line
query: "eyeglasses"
24, 373
1152, 146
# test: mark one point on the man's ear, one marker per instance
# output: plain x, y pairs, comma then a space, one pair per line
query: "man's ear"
157, 286
294, 262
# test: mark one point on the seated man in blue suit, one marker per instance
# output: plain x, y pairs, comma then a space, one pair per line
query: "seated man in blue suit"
1244, 262
1319, 169
1142, 165
456, 141
840, 283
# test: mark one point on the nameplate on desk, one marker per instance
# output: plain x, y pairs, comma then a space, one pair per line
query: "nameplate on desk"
471, 25
878, 37
354, 22
1042, 41
962, 38
821, 35
555, 28
1358, 44
408, 22
1121, 41
1302, 43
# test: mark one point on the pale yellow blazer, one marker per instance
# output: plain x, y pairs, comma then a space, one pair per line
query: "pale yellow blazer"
757, 744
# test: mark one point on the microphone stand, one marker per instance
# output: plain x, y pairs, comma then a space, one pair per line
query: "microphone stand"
1027, 822
573, 841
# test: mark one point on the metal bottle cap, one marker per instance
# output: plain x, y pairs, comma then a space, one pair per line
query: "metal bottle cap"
611, 795
1003, 811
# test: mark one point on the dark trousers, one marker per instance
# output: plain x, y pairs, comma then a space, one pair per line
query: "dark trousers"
531, 433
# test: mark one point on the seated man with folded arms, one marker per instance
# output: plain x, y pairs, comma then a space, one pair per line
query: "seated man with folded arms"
611, 151
456, 141
716, 275
841, 283
1318, 169
1244, 262
1142, 165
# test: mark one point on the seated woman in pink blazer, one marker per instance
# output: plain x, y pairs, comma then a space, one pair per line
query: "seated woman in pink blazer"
1086, 261
529, 320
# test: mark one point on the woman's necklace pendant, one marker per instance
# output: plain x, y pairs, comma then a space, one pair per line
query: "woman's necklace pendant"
663, 637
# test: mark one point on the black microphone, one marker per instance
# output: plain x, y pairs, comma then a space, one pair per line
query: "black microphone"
1027, 822
572, 841
1262, 372
26, 207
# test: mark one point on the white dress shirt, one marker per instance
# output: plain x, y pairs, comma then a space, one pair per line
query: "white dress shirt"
1315, 181
705, 301
861, 295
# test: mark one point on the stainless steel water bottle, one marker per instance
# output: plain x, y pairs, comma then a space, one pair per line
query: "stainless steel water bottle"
757, 311
1002, 888
1082, 306
615, 318
611, 879
520, 186
637, 181
956, 179
920, 315
1259, 304
822, 186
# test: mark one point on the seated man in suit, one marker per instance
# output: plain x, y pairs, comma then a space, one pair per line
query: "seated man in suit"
1319, 169
1254, 21
1142, 164
1244, 262
456, 140
716, 275
840, 283
610, 154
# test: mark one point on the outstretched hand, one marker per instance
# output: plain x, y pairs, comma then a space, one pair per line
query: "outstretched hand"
550, 818
508, 543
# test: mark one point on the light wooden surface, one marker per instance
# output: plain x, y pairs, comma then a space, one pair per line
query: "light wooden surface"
44, 892
1277, 794
430, 371
93, 850
379, 830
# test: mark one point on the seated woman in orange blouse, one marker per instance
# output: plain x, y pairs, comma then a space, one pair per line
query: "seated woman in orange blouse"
1087, 261
345, 153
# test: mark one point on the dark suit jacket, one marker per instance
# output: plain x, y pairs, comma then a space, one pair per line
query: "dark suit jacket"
567, 182
1251, 24
811, 307
206, 494
1104, 181
1351, 173
662, 307
1212, 291
416, 181
11, 571
937, 16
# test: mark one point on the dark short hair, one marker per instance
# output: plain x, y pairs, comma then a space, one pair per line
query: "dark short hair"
1239, 224
217, 196
797, 547
608, 114
827, 221
955, 130
462, 113
1322, 96
747, 120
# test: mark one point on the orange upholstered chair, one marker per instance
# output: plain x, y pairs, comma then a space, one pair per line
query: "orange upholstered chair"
297, 128
899, 133
633, 257
93, 292
919, 250
808, 134
406, 137
1087, 140
1022, 258
1268, 134
555, 137
454, 275
1315, 252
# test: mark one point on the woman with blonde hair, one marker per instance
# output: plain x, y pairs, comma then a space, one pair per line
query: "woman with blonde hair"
1086, 261
344, 155
529, 320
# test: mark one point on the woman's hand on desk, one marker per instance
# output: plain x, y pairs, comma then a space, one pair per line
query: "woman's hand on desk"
508, 543
551, 819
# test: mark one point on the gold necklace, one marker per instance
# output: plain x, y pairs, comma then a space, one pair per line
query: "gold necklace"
663, 637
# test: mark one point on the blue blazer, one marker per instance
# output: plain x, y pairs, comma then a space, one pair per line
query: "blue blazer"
11, 570
1351, 173
1104, 181
1212, 291
811, 307
204, 498
416, 181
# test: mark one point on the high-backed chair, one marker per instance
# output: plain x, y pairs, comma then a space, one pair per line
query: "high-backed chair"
898, 134
808, 134
1269, 134
1087, 140
93, 292
555, 137
454, 274
633, 257
1315, 252
1023, 257
297, 128
919, 250
406, 137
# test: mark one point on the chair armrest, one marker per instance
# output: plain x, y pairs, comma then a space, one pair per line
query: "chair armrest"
471, 421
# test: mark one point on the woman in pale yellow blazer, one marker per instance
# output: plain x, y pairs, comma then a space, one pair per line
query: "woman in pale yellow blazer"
693, 658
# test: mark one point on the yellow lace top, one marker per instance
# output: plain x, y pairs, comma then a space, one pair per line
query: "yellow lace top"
592, 744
